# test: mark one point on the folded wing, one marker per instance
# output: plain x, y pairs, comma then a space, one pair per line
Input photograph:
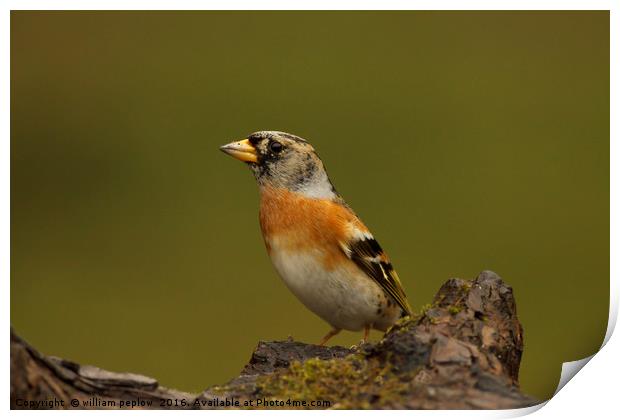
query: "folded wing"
367, 254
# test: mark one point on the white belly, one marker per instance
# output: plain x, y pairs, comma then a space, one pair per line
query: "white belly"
344, 297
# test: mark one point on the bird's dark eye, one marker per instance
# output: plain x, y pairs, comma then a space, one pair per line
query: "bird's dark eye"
275, 147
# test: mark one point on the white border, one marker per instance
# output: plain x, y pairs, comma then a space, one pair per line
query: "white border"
595, 391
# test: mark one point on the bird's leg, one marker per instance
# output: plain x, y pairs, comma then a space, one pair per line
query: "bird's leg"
329, 335
366, 332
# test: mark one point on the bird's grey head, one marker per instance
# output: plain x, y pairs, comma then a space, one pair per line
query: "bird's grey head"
282, 160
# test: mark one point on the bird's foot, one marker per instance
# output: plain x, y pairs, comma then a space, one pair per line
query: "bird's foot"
363, 341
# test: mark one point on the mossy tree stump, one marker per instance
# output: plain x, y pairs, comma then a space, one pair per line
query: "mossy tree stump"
462, 351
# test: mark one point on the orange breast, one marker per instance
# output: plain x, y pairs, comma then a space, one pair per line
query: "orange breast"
298, 223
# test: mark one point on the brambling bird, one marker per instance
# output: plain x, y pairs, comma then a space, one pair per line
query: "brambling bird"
320, 248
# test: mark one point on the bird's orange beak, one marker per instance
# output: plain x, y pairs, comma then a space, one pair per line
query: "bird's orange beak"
242, 150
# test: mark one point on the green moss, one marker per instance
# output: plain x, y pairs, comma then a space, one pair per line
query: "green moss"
454, 309
352, 382
424, 309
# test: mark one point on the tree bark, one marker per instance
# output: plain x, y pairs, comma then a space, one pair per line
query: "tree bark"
462, 351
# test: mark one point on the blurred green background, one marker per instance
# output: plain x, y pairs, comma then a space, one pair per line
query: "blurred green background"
465, 140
